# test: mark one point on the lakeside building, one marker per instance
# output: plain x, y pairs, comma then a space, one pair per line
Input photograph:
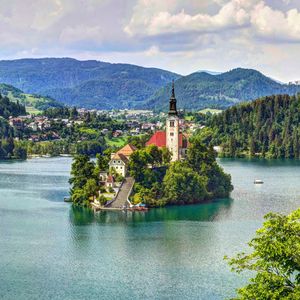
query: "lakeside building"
119, 161
171, 138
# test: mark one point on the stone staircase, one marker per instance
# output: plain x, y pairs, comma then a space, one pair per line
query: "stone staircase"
123, 195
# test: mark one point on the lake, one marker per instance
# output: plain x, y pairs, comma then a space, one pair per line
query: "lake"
48, 250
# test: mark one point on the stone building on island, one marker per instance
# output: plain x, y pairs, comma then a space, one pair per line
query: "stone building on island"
119, 161
171, 138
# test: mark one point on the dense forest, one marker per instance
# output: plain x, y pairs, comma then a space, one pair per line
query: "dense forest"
196, 179
268, 127
9, 108
8, 146
91, 84
100, 85
202, 90
35, 103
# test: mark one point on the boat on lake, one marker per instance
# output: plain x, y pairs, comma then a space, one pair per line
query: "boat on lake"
258, 181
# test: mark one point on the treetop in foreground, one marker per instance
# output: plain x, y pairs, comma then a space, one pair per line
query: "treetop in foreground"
275, 259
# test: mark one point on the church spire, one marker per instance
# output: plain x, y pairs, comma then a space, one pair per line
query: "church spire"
173, 109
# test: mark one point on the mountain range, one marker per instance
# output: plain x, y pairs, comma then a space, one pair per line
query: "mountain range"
101, 85
201, 90
90, 84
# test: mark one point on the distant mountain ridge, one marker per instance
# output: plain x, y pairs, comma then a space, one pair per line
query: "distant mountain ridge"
202, 90
100, 85
90, 84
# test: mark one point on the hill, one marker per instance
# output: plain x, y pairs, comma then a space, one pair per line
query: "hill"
201, 90
9, 108
90, 84
34, 103
267, 127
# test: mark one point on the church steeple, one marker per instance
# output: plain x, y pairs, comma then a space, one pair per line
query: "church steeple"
173, 109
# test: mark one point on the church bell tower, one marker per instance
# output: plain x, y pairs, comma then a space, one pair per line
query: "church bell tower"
172, 127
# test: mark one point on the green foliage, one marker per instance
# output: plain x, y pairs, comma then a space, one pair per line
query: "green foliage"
91, 187
102, 162
91, 84
79, 197
139, 141
9, 108
82, 170
275, 259
102, 199
267, 127
34, 103
140, 161
20, 152
159, 182
90, 148
183, 185
201, 90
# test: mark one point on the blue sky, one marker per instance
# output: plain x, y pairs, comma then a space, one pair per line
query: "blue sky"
179, 35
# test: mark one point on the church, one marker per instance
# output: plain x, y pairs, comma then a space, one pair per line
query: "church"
171, 138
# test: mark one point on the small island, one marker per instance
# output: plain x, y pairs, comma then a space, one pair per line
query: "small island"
171, 168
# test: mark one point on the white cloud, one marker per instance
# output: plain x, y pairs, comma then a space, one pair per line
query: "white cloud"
179, 35
263, 20
275, 24
152, 51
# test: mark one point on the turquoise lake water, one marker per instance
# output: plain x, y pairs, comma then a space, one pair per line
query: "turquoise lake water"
50, 251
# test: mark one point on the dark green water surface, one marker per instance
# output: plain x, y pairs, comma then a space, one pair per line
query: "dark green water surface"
50, 251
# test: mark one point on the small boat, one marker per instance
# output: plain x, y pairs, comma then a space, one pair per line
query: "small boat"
258, 181
67, 199
138, 208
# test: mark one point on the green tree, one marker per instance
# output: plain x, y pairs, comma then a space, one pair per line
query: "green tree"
275, 259
82, 169
20, 152
183, 185
102, 162
91, 188
138, 163
154, 155
166, 155
199, 155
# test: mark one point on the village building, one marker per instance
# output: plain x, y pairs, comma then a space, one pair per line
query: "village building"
119, 161
171, 138
110, 182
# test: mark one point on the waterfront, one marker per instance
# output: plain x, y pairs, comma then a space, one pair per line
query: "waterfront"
51, 251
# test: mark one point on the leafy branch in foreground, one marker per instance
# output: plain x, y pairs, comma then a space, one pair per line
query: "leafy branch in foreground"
275, 259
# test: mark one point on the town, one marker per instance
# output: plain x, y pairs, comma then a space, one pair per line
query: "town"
52, 132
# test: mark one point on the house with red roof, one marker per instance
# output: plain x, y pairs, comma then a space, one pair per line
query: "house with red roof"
119, 161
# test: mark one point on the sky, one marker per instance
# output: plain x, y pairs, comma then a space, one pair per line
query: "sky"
182, 36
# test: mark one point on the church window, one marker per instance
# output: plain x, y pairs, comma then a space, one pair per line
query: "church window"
171, 133
172, 124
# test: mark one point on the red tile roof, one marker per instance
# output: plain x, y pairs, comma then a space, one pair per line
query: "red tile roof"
120, 156
110, 179
127, 150
159, 139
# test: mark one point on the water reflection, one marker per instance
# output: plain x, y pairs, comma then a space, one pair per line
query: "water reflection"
213, 211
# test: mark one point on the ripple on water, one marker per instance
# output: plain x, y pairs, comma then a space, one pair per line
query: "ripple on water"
50, 250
